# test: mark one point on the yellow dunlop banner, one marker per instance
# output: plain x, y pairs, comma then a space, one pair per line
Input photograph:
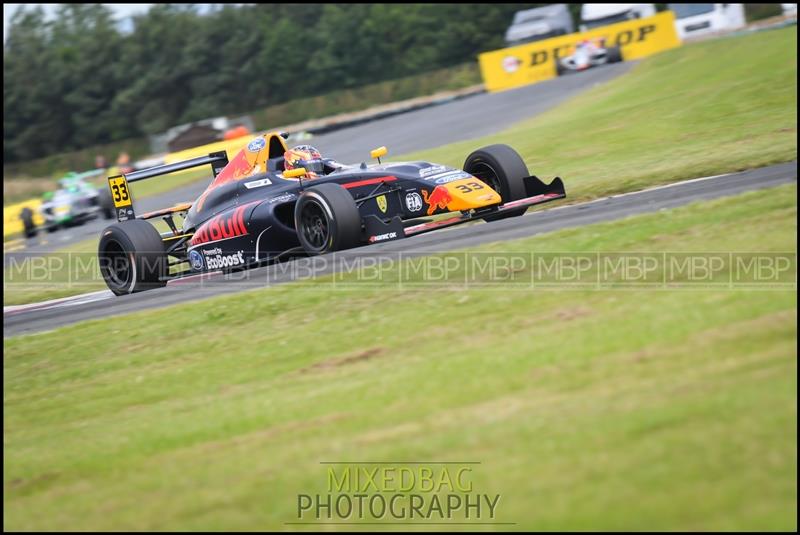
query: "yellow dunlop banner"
12, 224
534, 62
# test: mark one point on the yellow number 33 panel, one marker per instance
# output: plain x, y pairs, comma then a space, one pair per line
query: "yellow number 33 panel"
119, 191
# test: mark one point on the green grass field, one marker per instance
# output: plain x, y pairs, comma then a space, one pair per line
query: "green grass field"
587, 409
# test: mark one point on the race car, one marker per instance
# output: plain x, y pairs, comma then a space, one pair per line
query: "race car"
586, 54
255, 211
74, 203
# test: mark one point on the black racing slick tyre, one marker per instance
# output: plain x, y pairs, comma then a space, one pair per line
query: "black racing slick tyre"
132, 257
327, 219
502, 168
27, 222
106, 203
613, 54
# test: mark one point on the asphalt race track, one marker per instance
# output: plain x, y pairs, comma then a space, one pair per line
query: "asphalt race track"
459, 120
26, 319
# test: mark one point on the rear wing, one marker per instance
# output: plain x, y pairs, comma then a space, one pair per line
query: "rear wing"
118, 184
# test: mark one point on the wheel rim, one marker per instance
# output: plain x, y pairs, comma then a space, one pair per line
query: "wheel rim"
315, 225
487, 174
116, 265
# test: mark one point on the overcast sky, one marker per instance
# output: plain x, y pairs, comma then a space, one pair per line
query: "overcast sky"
121, 11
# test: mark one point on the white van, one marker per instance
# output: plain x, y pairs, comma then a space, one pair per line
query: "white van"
539, 23
596, 15
692, 20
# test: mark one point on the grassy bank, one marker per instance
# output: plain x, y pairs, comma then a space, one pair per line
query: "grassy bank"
702, 109
361, 98
603, 409
53, 167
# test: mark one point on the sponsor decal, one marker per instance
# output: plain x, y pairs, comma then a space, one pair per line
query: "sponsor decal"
222, 227
432, 170
383, 237
258, 183
511, 63
216, 260
286, 197
257, 144
536, 61
439, 199
451, 176
382, 204
196, 260
413, 202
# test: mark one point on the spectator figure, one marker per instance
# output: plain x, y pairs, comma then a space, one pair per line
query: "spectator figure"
100, 162
124, 163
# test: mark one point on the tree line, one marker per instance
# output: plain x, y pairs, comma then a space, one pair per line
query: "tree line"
75, 80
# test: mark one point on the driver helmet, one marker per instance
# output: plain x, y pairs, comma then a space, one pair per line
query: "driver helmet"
304, 156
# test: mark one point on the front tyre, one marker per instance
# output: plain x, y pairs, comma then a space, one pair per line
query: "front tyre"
327, 219
502, 168
132, 257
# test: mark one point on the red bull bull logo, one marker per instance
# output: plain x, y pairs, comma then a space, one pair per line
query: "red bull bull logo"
438, 200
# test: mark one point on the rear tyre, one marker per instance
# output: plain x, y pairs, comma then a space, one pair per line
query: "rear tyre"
326, 218
560, 69
132, 257
502, 168
614, 54
106, 203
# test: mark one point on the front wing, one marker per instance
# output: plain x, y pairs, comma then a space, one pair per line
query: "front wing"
538, 193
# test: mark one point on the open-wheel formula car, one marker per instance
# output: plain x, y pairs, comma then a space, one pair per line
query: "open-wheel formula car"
586, 54
75, 202
255, 211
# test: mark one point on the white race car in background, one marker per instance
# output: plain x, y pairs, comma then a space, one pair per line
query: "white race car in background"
586, 54
74, 203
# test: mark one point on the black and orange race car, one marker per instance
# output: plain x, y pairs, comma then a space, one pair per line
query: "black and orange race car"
255, 211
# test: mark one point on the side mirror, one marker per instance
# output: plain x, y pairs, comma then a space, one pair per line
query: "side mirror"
294, 173
377, 153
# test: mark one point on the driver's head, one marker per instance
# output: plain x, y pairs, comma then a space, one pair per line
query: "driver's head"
304, 156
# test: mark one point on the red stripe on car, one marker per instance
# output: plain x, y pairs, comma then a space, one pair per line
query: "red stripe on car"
369, 181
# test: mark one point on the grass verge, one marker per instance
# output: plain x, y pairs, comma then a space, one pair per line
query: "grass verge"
587, 409
703, 109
